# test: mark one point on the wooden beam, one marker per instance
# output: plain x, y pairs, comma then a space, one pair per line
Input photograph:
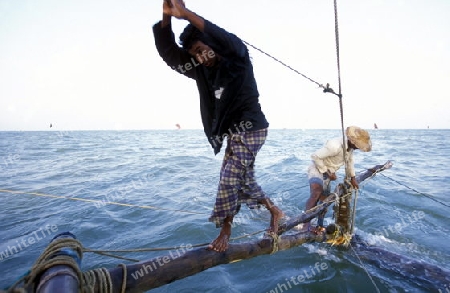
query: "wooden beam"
167, 269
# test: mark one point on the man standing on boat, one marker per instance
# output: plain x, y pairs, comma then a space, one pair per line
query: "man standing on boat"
327, 161
219, 62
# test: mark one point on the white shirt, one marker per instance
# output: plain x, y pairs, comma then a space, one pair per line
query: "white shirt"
331, 157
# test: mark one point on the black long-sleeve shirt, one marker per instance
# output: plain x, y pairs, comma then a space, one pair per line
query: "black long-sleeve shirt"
228, 92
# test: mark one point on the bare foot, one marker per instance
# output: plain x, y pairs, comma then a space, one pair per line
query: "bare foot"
220, 244
276, 215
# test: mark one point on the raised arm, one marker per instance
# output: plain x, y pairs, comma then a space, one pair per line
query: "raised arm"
228, 43
174, 56
177, 8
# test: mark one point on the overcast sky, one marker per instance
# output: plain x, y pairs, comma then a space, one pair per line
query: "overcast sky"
92, 64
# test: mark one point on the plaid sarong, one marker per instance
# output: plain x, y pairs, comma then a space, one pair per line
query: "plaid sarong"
237, 176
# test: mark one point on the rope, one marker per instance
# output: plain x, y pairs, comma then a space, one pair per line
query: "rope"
54, 255
98, 201
276, 243
336, 32
51, 257
100, 276
341, 107
124, 278
326, 89
365, 269
354, 212
418, 192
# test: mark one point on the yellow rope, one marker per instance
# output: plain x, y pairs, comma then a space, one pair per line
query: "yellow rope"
97, 201
87, 281
276, 240
48, 260
100, 276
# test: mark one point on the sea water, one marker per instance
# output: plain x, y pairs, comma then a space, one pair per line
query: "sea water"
156, 188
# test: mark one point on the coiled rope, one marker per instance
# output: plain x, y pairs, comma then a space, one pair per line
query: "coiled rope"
54, 255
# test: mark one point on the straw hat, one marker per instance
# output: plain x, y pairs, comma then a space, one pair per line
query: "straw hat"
359, 137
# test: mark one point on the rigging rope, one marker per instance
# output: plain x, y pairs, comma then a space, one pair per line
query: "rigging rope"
341, 107
421, 193
326, 89
100, 202
284, 64
365, 269
336, 32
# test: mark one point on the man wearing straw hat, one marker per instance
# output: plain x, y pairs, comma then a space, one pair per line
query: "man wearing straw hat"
327, 161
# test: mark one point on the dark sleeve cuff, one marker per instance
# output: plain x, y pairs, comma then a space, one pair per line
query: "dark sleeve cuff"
164, 36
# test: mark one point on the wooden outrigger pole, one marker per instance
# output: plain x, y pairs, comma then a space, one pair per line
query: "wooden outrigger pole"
198, 260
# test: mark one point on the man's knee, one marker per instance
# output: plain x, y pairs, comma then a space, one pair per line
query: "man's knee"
316, 190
